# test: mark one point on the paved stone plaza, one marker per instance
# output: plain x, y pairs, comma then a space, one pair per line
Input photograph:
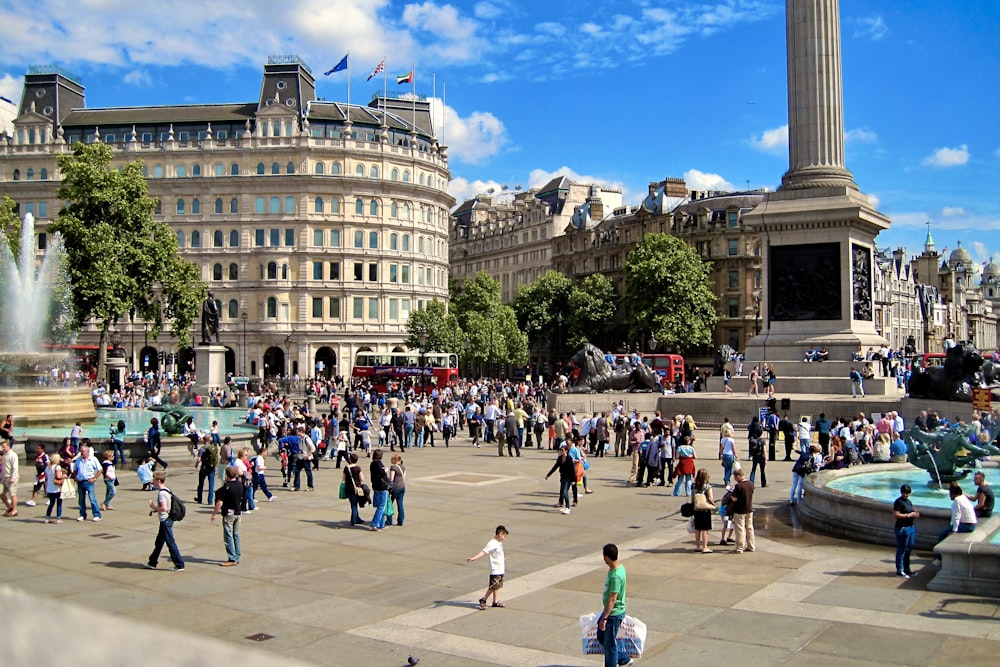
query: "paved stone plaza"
330, 594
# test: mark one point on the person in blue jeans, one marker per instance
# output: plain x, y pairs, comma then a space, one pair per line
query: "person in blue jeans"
86, 470
380, 489
165, 535
614, 608
963, 514
397, 479
906, 532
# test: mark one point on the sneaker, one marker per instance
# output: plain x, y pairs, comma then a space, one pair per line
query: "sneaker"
97, 518
271, 499
81, 518
310, 489
148, 566
177, 569
902, 575
565, 510
30, 503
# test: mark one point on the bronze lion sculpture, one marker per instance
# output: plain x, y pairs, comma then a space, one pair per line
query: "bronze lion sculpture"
596, 374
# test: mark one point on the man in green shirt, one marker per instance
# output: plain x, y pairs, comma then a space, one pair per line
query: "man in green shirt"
614, 608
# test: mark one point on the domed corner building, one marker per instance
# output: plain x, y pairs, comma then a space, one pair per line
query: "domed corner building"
319, 226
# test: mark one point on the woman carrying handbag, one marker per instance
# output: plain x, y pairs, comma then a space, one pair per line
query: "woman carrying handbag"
704, 506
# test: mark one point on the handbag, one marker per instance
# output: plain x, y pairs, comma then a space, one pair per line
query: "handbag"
68, 489
390, 509
701, 503
630, 641
343, 491
687, 510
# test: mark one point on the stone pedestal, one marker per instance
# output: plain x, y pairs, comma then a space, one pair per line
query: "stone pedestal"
211, 369
116, 372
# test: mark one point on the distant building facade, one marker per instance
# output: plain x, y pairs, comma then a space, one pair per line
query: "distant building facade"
319, 226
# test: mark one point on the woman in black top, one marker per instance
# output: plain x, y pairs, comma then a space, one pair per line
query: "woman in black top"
354, 478
380, 489
906, 532
567, 477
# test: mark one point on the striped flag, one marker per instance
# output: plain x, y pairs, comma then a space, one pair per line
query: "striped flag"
404, 78
377, 70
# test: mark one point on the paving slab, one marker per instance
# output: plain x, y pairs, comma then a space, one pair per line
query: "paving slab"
867, 642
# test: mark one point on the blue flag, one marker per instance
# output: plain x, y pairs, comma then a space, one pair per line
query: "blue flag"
339, 67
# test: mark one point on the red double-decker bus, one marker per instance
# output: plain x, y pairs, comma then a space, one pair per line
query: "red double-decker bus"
423, 372
669, 368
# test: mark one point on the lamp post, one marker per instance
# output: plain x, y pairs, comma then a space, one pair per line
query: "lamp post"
559, 321
288, 357
243, 316
131, 320
756, 312
652, 343
422, 339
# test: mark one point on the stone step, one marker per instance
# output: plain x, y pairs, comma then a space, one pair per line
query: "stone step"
877, 386
812, 369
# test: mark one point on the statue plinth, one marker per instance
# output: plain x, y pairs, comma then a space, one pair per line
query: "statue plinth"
211, 368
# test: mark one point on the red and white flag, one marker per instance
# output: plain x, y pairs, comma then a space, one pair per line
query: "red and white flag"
377, 71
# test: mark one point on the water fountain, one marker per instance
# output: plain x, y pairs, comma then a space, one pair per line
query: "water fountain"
29, 374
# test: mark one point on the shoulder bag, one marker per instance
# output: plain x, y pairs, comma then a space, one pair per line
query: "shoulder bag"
702, 503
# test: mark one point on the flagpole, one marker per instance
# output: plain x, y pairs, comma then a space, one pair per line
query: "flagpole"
385, 91
444, 103
430, 110
348, 85
413, 82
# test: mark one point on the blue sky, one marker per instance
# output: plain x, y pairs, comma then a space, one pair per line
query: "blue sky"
620, 92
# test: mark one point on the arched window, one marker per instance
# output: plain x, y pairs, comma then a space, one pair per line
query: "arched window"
195, 239
421, 179
406, 211
272, 307
289, 168
373, 207
275, 168
234, 239
335, 205
374, 172
406, 176
420, 244
17, 174
272, 270
234, 205
284, 272
30, 174
43, 174
318, 205
359, 239
335, 169
234, 169
234, 309
157, 171
180, 239
394, 174
393, 210
406, 242
180, 171
234, 271
219, 169
217, 238
196, 170
180, 207
319, 168
218, 205
359, 206
260, 168
373, 240
393, 241
196, 206
217, 272
359, 171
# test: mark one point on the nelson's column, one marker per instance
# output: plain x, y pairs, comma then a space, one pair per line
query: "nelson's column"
819, 229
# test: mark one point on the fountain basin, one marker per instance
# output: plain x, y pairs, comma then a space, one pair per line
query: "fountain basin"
46, 406
970, 562
855, 513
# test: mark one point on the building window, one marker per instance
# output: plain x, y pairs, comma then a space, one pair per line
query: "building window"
359, 239
261, 170
275, 238
234, 239
318, 238
393, 309
373, 240
334, 238
358, 308
180, 207
318, 205
217, 239
406, 243
195, 206
317, 270
393, 241
234, 271
234, 309
43, 209
218, 205
734, 220
234, 169
335, 169
43, 174
274, 205
272, 270
335, 205
372, 308
406, 176
289, 168
319, 168
373, 172
393, 273
734, 279
259, 206
359, 171
334, 308
289, 205
359, 270
218, 169
272, 307
406, 211
234, 205
373, 273
180, 239
393, 210
373, 208
334, 270
394, 174
195, 239
275, 168
406, 274
317, 307
258, 238
359, 206
734, 248
217, 271
733, 310
17, 174
180, 171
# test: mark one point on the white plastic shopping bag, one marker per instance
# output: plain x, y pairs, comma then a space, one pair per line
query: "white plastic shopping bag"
631, 638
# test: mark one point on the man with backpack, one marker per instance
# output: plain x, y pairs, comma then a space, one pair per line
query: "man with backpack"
168, 509
208, 459
228, 502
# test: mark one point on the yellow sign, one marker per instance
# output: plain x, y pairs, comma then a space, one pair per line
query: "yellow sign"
981, 399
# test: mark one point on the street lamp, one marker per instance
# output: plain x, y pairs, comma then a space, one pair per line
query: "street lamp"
756, 312
422, 339
652, 342
559, 320
243, 316
288, 356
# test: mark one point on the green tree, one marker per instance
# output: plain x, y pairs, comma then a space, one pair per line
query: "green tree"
119, 258
593, 309
443, 331
668, 293
540, 304
11, 224
490, 326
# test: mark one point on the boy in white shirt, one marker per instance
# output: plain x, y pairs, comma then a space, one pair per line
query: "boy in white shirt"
494, 549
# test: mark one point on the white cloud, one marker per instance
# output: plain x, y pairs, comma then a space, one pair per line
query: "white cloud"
860, 135
539, 177
472, 138
462, 189
952, 211
948, 157
997, 152
138, 77
10, 87
874, 200
487, 10
772, 141
870, 27
700, 180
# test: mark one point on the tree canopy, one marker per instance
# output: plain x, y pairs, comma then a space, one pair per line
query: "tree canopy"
441, 327
118, 257
669, 293
490, 326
